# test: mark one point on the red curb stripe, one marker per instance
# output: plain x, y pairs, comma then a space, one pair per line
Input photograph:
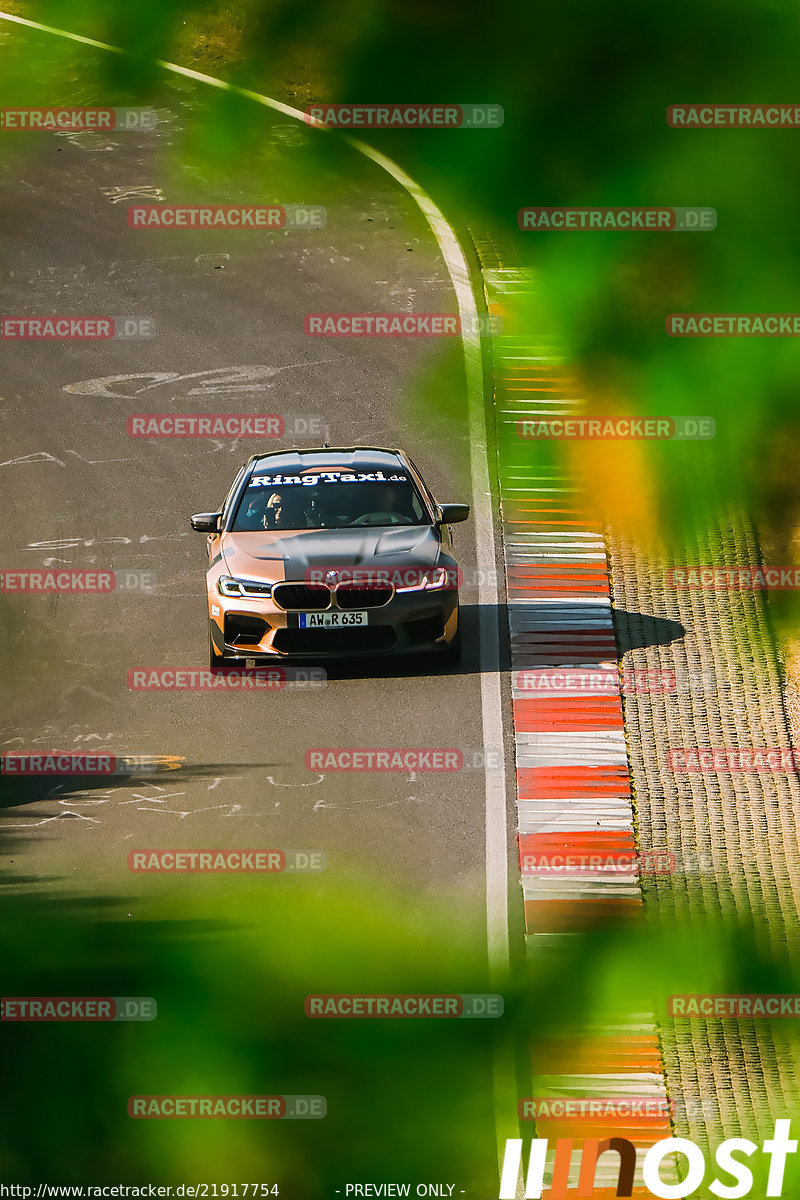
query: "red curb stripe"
644, 1130
579, 783
543, 707
535, 585
581, 708
562, 722
568, 570
609, 1054
578, 841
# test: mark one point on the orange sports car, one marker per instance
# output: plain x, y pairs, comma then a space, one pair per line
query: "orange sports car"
340, 552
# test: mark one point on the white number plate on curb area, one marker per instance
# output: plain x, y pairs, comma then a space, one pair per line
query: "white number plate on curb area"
335, 620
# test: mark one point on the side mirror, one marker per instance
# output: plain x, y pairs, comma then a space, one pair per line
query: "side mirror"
205, 522
451, 514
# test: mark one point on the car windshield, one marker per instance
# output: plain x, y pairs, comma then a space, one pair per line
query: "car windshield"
329, 500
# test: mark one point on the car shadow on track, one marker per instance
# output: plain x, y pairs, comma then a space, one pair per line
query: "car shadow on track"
636, 630
31, 789
22, 790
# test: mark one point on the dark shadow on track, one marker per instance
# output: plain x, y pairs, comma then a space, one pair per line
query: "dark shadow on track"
635, 630
29, 789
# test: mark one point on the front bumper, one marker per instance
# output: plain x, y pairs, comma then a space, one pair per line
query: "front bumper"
256, 628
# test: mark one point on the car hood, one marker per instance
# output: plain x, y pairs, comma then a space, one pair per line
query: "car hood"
275, 555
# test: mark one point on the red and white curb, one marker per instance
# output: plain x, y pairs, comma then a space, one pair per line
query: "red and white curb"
573, 783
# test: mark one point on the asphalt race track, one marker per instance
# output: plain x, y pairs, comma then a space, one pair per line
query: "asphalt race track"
79, 493
221, 769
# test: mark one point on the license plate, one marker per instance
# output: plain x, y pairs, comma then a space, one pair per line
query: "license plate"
332, 620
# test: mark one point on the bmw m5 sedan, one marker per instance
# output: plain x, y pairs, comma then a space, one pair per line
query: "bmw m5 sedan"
331, 552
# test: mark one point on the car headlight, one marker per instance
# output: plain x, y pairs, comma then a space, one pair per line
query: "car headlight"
432, 581
228, 586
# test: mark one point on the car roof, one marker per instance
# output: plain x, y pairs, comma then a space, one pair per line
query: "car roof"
358, 458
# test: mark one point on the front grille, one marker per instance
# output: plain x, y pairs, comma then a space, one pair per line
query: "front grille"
304, 597
244, 630
353, 595
335, 641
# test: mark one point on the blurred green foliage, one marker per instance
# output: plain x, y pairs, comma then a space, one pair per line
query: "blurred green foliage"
585, 88
230, 965
585, 91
